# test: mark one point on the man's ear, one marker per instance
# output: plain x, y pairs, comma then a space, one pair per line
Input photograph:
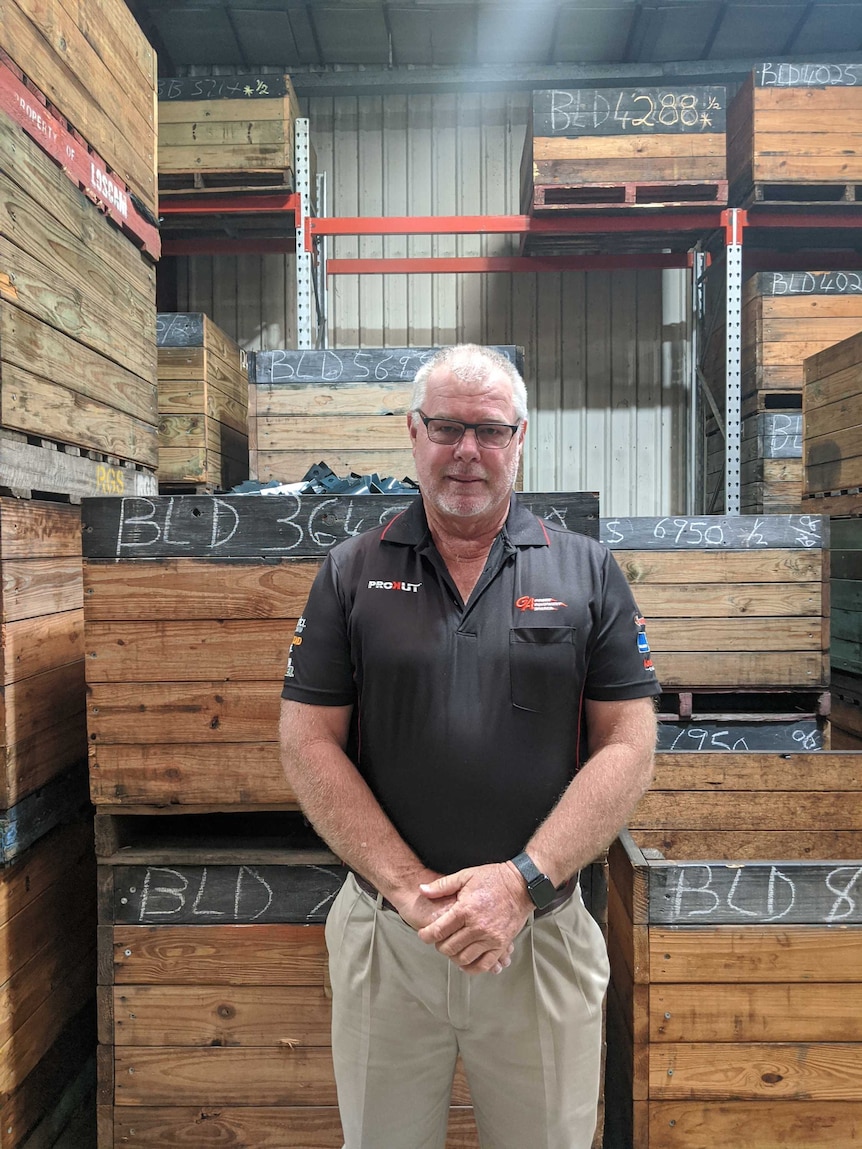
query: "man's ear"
412, 425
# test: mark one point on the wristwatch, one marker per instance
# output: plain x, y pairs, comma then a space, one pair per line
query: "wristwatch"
539, 886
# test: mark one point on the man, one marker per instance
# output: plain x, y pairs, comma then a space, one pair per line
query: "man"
468, 720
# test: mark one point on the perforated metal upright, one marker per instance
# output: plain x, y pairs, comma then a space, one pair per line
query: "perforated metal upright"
734, 225
305, 311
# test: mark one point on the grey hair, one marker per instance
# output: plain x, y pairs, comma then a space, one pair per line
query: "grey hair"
469, 361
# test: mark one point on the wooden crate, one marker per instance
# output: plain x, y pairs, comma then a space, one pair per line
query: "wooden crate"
846, 713
833, 427
734, 933
846, 594
203, 404
190, 604
47, 974
791, 139
625, 147
732, 603
98, 70
344, 407
771, 462
41, 616
77, 335
239, 1029
226, 131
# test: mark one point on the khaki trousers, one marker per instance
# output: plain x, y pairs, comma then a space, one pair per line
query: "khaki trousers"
529, 1038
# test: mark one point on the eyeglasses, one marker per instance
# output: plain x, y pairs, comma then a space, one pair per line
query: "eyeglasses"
449, 432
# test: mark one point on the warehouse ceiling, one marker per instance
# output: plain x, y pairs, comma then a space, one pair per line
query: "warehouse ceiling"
335, 46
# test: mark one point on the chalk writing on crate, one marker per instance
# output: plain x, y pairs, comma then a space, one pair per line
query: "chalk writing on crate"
197, 894
632, 111
700, 893
356, 365
811, 282
822, 75
254, 87
179, 329
778, 737
713, 532
286, 525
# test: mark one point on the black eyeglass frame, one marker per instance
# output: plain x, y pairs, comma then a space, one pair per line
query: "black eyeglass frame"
465, 427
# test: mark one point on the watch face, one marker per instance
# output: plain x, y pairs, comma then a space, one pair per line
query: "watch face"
542, 891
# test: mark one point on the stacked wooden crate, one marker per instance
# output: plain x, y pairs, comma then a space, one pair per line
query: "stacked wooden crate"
786, 317
343, 407
203, 405
793, 135
226, 132
212, 964
833, 485
627, 147
735, 1009
78, 239
47, 958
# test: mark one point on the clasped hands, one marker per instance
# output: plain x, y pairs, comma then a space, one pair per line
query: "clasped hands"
473, 915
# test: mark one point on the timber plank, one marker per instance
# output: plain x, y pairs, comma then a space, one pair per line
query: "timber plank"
761, 1124
750, 810
49, 751
742, 845
634, 147
34, 588
246, 649
791, 1013
738, 1071
725, 600
758, 953
281, 400
173, 589
264, 1127
212, 1076
236, 1016
210, 775
292, 466
32, 529
708, 566
753, 770
685, 634
34, 705
803, 669
280, 954
33, 645
168, 712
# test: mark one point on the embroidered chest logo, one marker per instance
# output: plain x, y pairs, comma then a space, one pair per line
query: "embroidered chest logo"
376, 584
527, 602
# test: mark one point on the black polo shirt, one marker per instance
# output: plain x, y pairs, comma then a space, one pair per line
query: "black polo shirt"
467, 721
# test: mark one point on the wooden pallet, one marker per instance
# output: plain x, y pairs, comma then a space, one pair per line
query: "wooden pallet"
810, 195
631, 194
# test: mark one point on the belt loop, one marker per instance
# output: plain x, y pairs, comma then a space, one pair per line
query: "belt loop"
378, 901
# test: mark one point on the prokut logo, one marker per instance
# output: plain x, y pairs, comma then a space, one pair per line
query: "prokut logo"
377, 584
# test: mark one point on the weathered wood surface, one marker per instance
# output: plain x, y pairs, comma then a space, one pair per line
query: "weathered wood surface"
276, 954
833, 418
99, 73
761, 1124
757, 1012
821, 1071
244, 87
347, 365
756, 953
39, 811
268, 527
748, 845
800, 771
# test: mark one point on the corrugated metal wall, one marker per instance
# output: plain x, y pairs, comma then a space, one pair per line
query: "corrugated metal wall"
605, 372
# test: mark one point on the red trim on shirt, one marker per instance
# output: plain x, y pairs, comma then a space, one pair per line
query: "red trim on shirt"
544, 532
389, 524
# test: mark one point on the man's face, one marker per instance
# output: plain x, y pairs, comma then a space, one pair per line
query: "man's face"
466, 480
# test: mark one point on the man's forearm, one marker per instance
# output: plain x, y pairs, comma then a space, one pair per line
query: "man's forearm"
597, 803
337, 801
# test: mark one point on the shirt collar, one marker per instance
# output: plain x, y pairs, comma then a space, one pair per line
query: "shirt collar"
522, 528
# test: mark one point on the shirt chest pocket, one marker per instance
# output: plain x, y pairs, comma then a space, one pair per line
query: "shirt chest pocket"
543, 667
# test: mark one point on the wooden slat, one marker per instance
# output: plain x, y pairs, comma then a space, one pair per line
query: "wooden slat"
272, 1127
742, 845
32, 528
165, 1015
219, 955
715, 566
756, 954
246, 649
801, 669
34, 645
276, 400
39, 587
292, 466
744, 634
752, 770
748, 810
211, 773
173, 589
815, 1072
161, 712
761, 1124
751, 1013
